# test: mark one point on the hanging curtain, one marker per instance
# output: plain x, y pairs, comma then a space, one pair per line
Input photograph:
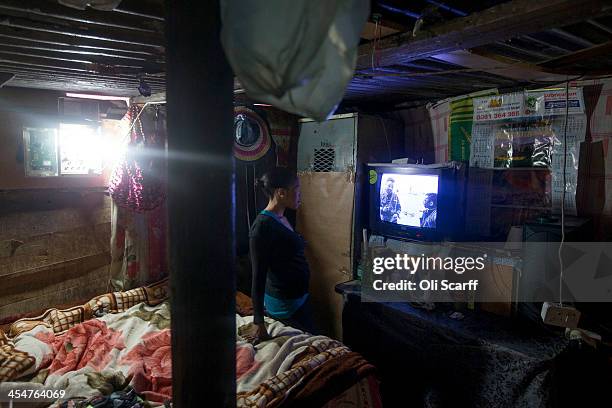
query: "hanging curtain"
138, 210
138, 247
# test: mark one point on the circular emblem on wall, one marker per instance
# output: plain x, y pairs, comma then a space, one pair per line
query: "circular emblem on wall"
251, 135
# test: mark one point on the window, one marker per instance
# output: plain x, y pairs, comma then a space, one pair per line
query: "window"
40, 151
73, 149
81, 150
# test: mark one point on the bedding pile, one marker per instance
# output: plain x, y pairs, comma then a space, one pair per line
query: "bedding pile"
297, 369
70, 350
121, 341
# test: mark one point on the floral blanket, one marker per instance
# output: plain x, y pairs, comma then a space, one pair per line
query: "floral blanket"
106, 354
300, 370
131, 346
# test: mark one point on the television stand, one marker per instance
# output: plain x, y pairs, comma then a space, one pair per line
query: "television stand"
425, 357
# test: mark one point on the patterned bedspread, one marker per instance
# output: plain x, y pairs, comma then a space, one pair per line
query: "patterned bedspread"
105, 354
300, 370
129, 344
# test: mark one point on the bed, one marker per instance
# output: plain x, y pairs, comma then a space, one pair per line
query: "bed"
121, 341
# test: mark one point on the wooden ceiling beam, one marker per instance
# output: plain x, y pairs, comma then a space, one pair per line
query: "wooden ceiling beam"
97, 87
148, 9
501, 22
68, 74
129, 86
108, 34
60, 84
567, 36
500, 66
92, 60
19, 44
54, 12
37, 37
132, 86
78, 82
105, 89
70, 65
371, 31
399, 10
600, 26
563, 64
154, 98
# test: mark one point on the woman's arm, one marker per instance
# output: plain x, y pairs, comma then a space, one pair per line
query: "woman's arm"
260, 253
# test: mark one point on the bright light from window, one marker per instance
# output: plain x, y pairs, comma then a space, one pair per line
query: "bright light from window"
84, 150
80, 149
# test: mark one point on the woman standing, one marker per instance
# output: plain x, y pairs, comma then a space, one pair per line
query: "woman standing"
280, 269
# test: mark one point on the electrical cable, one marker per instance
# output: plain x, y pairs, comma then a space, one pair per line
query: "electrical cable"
374, 60
246, 181
140, 113
374, 45
382, 122
378, 37
563, 194
254, 187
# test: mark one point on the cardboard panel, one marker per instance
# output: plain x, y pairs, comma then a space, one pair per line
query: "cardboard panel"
325, 221
497, 283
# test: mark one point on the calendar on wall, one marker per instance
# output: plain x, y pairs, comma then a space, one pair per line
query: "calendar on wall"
41, 152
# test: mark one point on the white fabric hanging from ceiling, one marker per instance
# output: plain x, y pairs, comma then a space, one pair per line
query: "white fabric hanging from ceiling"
297, 55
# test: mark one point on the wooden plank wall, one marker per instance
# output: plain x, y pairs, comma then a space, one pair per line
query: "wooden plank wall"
54, 249
54, 231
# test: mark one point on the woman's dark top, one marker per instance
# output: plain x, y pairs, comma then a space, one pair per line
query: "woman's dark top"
279, 265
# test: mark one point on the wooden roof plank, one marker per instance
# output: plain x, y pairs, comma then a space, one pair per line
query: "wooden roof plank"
501, 22
52, 10
38, 37
107, 34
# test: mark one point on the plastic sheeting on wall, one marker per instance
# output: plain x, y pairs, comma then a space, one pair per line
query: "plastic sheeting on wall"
439, 115
105, 5
296, 55
528, 129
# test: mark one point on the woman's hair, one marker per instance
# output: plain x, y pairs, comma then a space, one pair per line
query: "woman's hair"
279, 177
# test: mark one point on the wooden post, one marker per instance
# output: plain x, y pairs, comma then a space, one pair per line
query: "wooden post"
201, 206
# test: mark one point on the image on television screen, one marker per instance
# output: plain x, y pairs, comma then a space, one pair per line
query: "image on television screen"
409, 199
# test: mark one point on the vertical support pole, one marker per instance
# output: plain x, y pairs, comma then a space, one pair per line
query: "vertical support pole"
201, 206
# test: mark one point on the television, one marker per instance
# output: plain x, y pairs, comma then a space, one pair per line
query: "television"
418, 202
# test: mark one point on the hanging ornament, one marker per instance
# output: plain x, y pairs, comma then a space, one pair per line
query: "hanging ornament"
138, 182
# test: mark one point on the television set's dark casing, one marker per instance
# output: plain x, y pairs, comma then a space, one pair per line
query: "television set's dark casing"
451, 193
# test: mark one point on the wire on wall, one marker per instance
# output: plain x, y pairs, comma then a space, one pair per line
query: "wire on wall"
246, 182
561, 266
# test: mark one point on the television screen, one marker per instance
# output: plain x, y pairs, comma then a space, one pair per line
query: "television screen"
409, 199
